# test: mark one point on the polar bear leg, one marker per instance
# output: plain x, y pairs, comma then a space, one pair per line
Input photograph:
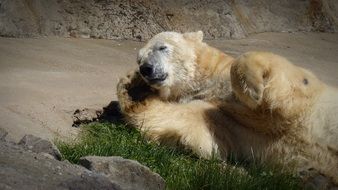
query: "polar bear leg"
248, 78
167, 123
133, 93
269, 81
184, 125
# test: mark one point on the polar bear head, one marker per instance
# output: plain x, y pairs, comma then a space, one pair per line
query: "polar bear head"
169, 58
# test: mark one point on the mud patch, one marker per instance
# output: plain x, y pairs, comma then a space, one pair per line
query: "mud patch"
110, 113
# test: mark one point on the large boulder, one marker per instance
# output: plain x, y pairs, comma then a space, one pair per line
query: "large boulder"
34, 163
38, 145
21, 169
129, 173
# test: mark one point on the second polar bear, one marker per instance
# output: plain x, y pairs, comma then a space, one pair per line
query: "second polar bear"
258, 105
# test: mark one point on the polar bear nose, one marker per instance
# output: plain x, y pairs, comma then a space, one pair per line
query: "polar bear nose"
147, 69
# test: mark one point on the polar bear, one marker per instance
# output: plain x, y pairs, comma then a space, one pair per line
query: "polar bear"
257, 106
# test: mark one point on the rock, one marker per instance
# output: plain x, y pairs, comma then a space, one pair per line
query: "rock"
317, 182
140, 20
129, 173
20, 169
313, 179
3, 134
46, 155
38, 145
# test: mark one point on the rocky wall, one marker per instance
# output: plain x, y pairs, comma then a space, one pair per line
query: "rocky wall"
141, 19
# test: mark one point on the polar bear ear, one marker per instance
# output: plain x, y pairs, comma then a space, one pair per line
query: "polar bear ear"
195, 36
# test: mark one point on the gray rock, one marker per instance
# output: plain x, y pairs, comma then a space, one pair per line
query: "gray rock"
130, 174
38, 145
318, 182
140, 20
20, 169
312, 179
3, 134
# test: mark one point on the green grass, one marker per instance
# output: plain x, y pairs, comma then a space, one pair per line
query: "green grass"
180, 169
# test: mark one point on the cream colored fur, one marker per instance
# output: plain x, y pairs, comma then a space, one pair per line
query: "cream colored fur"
207, 79
266, 109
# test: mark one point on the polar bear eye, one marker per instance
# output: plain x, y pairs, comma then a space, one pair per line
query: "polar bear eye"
161, 48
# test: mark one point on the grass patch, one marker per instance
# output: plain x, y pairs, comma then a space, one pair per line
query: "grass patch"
180, 169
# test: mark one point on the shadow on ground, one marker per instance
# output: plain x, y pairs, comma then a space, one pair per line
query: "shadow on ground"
110, 113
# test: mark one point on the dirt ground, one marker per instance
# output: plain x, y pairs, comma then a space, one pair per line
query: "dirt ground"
44, 80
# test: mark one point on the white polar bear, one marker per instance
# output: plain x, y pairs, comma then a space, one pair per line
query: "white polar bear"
256, 106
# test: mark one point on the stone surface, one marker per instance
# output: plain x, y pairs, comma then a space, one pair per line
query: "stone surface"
319, 182
38, 145
139, 20
129, 173
312, 179
20, 169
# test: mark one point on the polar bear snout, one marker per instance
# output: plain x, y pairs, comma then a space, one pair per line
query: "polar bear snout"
152, 73
152, 68
147, 70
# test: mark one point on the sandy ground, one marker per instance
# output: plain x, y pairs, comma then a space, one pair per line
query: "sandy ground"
42, 81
